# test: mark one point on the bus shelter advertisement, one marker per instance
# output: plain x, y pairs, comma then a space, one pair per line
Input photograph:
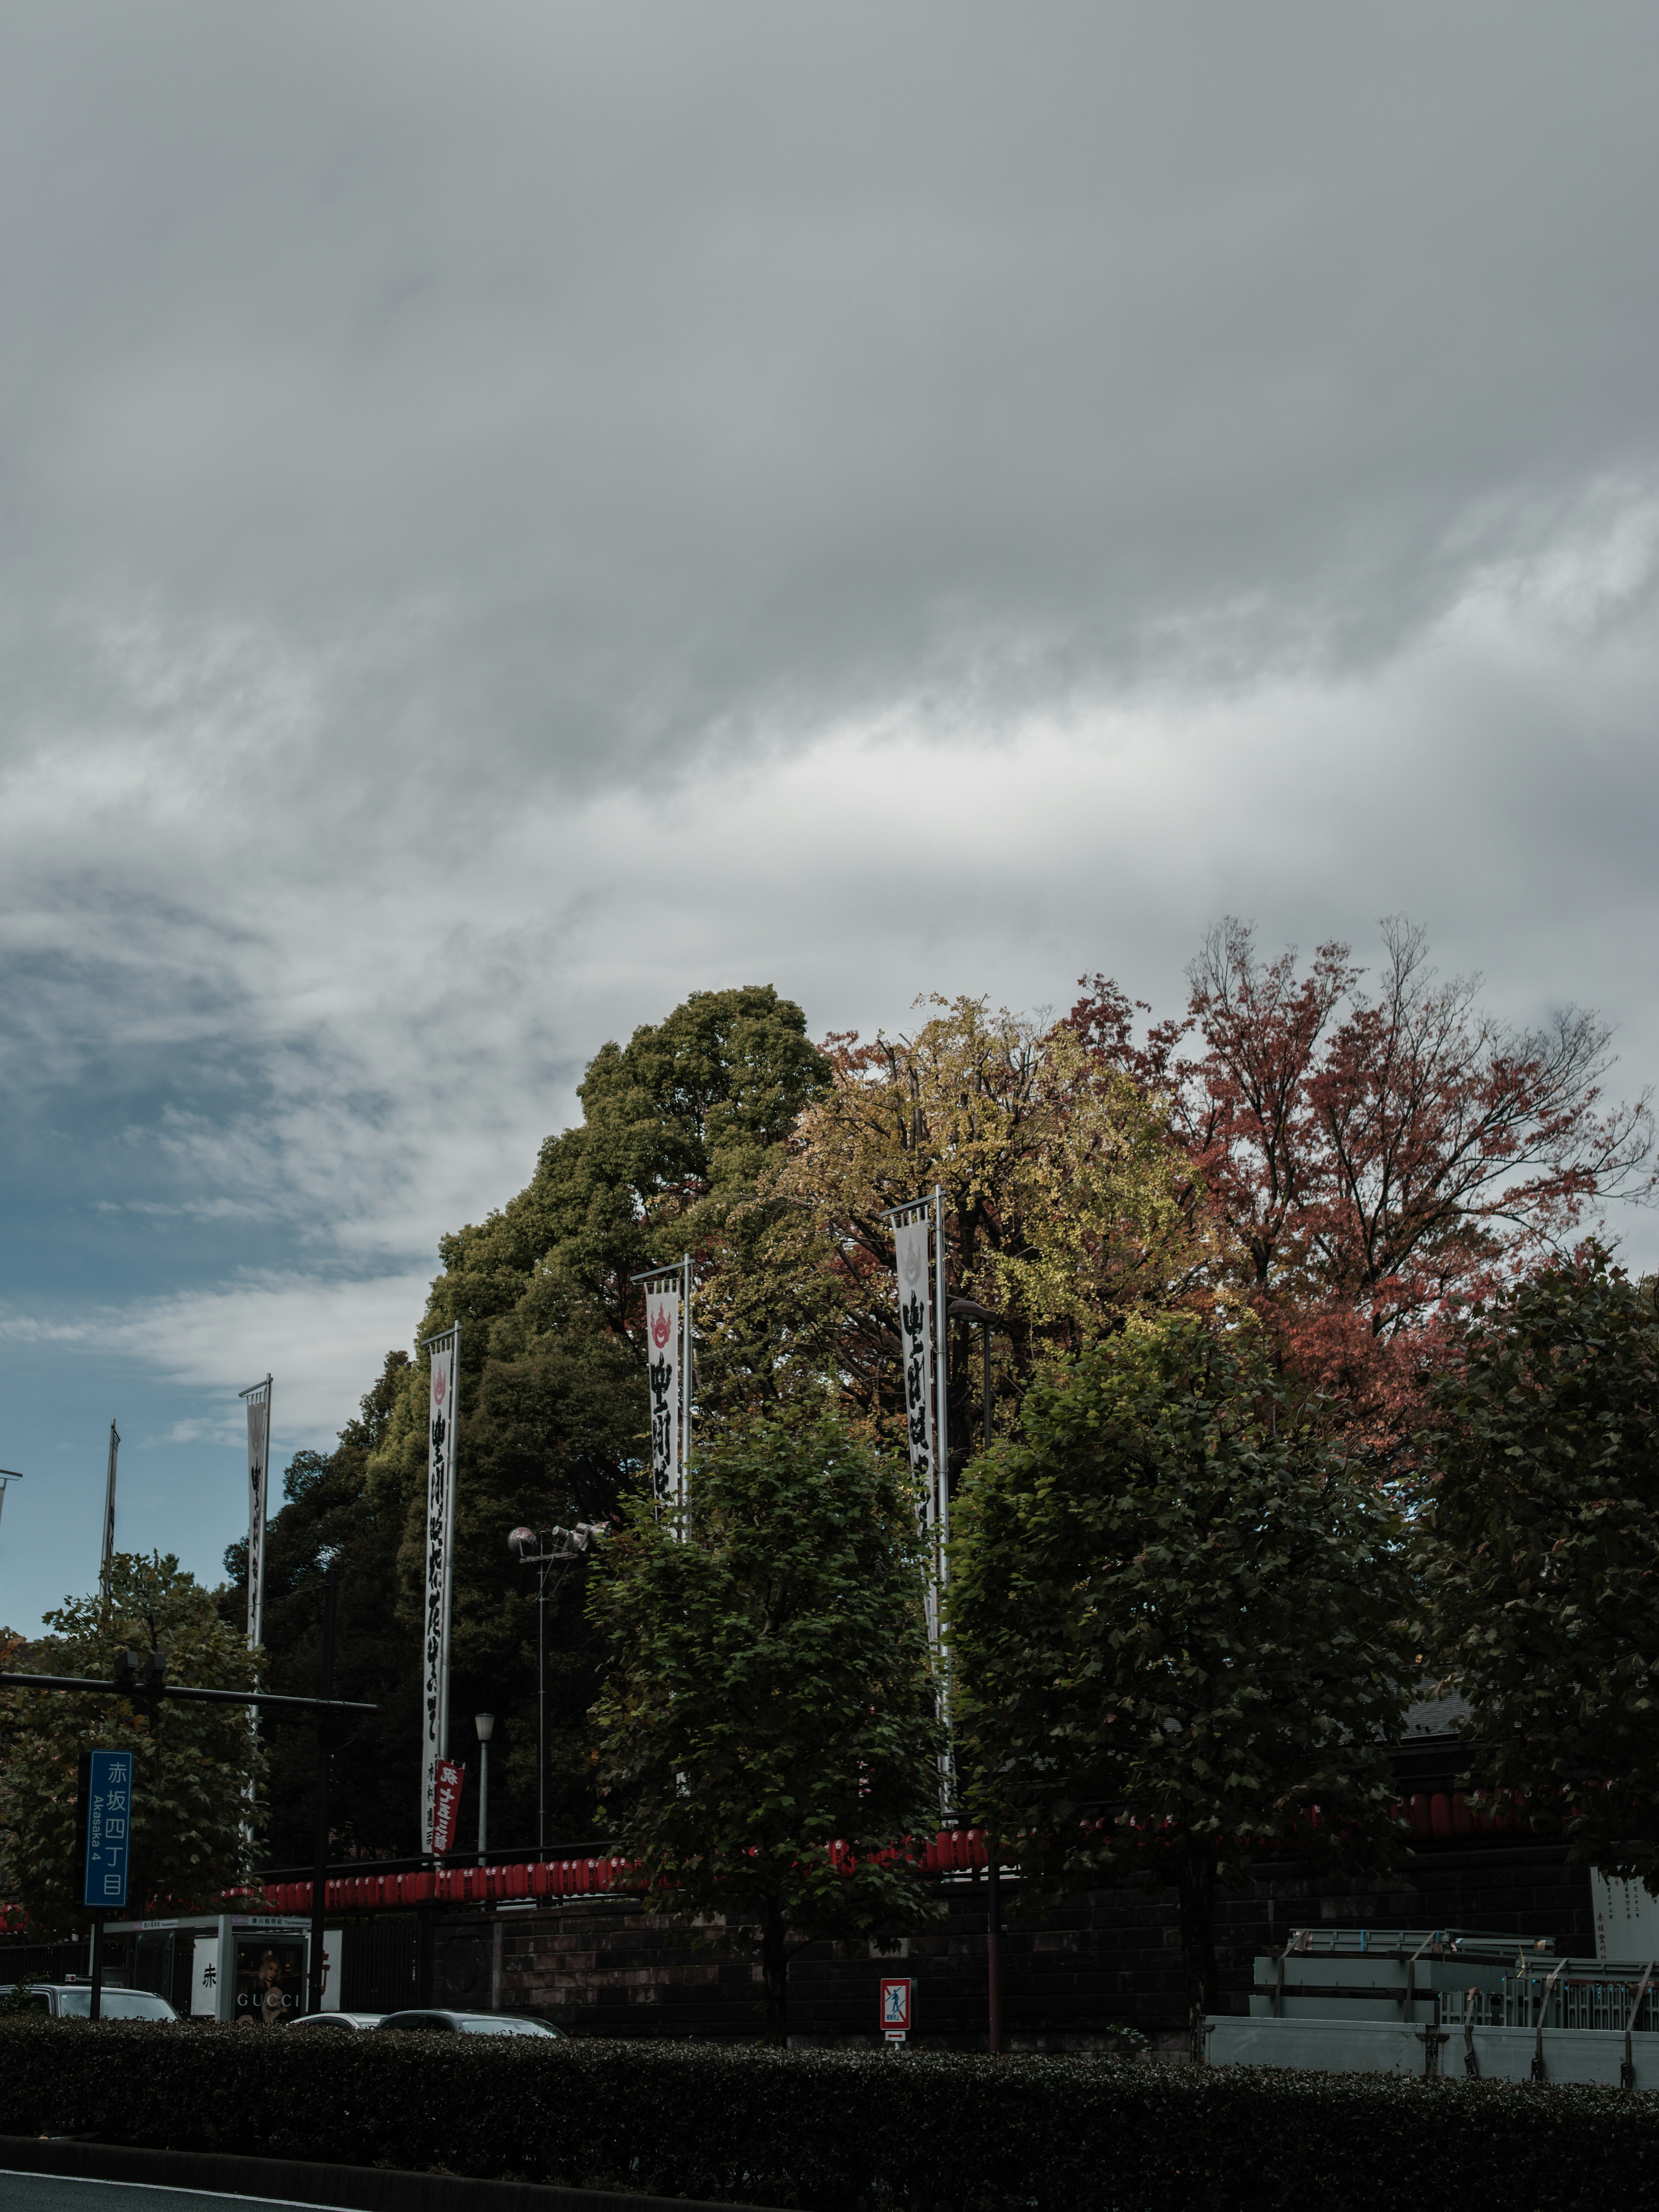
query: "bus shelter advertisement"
270, 1979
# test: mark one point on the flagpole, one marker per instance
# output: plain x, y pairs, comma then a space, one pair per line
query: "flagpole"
109, 1511
449, 1539
941, 1375
256, 1399
8, 1475
256, 1404
443, 1435
942, 1480
685, 1394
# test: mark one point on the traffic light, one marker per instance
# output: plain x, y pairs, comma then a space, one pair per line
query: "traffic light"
140, 1676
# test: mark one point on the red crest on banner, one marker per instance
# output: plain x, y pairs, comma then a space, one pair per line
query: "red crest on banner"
661, 1327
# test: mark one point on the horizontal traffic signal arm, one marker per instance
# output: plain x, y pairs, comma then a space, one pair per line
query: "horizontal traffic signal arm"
108, 1689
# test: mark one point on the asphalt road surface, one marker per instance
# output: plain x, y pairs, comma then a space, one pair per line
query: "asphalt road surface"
62, 2192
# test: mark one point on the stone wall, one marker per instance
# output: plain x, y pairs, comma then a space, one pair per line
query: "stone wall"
1070, 1972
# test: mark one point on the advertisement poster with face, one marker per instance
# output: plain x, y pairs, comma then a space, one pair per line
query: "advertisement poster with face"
270, 1979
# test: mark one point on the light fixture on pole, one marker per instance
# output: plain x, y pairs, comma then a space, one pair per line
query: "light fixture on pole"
985, 1321
485, 1724
556, 1547
6, 1474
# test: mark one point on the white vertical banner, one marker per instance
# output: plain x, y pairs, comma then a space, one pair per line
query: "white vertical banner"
204, 1989
333, 1945
108, 1553
662, 1371
258, 1402
915, 1305
442, 1423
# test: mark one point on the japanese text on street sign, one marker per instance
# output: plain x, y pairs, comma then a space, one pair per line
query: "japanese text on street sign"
895, 2005
109, 1828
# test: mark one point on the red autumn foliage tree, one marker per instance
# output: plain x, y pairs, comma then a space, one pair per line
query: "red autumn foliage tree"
1376, 1155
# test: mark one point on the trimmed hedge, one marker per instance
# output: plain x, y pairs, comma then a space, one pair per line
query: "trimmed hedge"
834, 2131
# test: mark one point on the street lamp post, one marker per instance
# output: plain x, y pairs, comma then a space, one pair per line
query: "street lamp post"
485, 1724
319, 1846
985, 1321
556, 1547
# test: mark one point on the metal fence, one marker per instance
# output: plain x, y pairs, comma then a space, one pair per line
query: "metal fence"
1597, 2002
380, 1966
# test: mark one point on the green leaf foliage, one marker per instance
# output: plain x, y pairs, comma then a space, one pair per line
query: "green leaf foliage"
1178, 1629
769, 1692
831, 2131
1542, 1554
330, 1520
192, 1763
677, 1124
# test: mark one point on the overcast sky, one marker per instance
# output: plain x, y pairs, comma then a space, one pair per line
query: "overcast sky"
509, 514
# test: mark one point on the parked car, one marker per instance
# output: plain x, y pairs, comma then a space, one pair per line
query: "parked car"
334, 2020
73, 2001
471, 2023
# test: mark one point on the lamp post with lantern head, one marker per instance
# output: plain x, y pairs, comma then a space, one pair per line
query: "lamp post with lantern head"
554, 1548
485, 1724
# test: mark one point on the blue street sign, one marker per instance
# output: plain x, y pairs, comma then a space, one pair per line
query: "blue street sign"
108, 1803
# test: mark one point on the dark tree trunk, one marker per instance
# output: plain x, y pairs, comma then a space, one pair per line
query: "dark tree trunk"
1195, 1890
774, 1971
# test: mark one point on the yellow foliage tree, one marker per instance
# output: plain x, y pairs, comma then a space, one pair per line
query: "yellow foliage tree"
1066, 1206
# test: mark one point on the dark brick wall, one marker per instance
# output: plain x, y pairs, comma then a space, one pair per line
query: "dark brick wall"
1069, 1973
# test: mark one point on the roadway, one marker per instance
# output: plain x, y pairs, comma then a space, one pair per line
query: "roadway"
63, 2192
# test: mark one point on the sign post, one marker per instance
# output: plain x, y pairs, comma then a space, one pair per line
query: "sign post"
896, 1990
103, 1839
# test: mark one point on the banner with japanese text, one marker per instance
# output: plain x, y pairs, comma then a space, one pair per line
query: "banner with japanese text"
447, 1805
258, 1466
916, 1337
439, 1543
662, 1328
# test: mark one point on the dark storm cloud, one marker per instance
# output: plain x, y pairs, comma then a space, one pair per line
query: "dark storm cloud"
655, 372
509, 514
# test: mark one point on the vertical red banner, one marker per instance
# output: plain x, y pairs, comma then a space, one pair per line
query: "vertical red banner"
447, 1805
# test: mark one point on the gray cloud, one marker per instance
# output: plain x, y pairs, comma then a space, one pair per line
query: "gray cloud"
649, 373
509, 514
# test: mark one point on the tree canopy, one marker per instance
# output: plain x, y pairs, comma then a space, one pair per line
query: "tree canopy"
330, 1521
1344, 1158
1066, 1206
194, 1766
1378, 1155
1542, 1575
1179, 1627
678, 1125
768, 1691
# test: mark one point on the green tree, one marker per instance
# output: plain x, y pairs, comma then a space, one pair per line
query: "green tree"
1178, 1630
330, 1520
1066, 1206
769, 1692
193, 1765
1542, 1567
676, 1126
